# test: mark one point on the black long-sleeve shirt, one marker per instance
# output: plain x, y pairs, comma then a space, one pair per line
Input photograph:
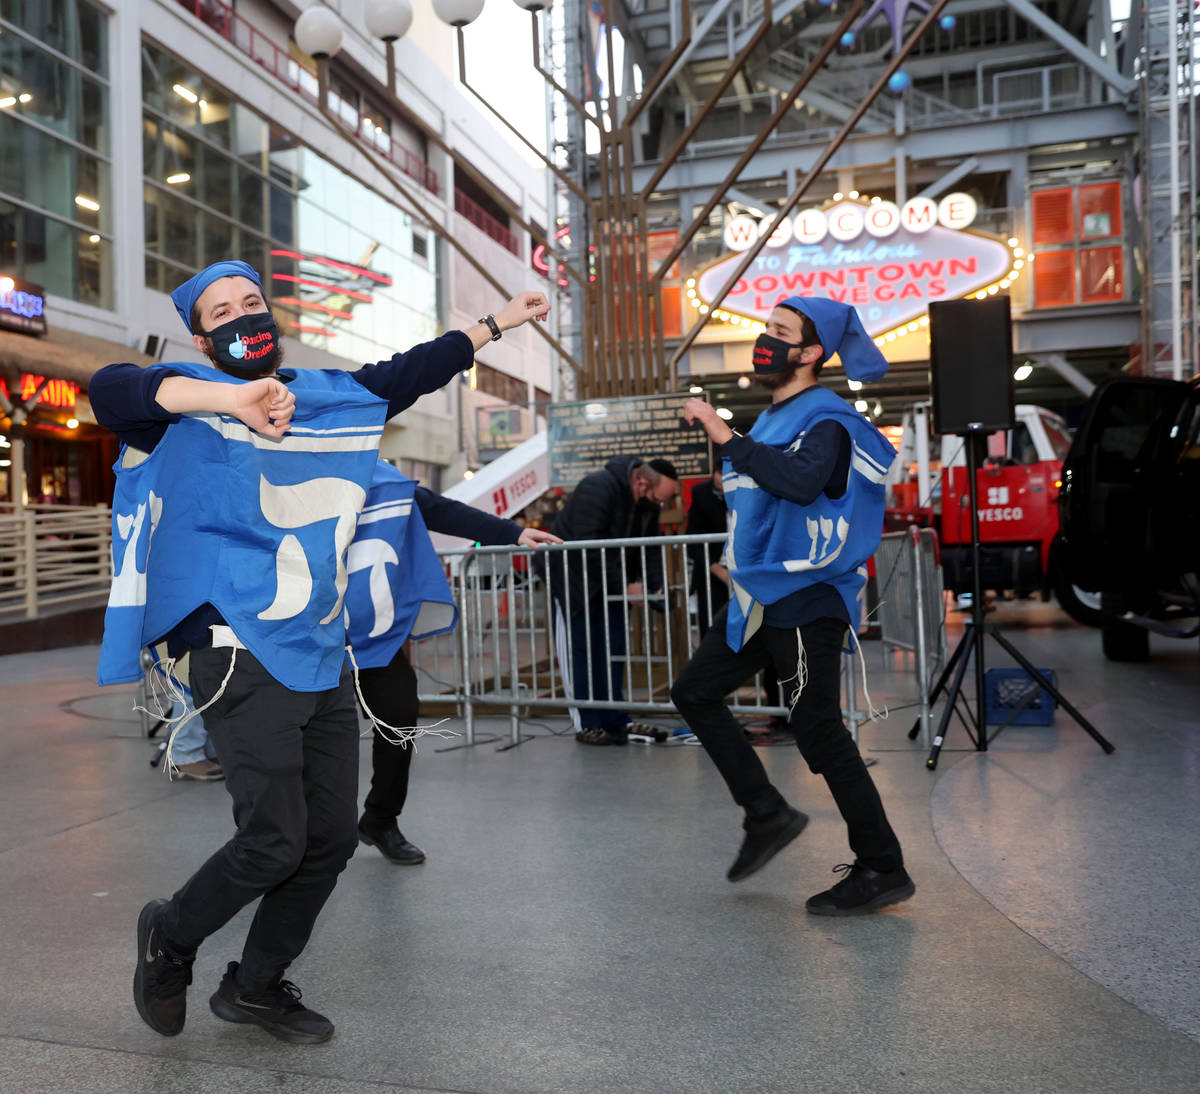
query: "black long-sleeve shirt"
123, 397
819, 465
453, 518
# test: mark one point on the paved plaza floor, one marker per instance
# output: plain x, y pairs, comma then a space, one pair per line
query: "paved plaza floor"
573, 932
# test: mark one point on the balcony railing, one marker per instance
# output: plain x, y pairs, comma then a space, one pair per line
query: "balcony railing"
485, 222
53, 557
287, 70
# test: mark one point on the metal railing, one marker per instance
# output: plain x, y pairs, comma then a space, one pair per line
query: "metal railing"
912, 609
52, 557
261, 49
485, 222
503, 655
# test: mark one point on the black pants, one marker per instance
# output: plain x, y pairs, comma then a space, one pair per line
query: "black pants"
715, 670
391, 693
291, 766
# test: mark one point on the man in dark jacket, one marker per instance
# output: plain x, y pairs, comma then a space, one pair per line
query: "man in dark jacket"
621, 501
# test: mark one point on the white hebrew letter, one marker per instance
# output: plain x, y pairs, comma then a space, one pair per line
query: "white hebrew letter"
300, 505
375, 555
293, 581
129, 583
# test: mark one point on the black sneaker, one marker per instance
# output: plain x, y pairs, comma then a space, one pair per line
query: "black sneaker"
391, 843
597, 736
161, 980
765, 839
862, 890
277, 1009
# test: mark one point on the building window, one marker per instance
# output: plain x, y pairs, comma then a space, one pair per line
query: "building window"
55, 208
342, 269
491, 381
1079, 255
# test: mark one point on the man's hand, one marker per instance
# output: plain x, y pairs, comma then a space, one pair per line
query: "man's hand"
535, 537
266, 406
697, 410
521, 308
719, 572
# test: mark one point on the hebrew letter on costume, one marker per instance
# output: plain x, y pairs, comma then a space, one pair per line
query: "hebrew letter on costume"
376, 555
298, 506
129, 583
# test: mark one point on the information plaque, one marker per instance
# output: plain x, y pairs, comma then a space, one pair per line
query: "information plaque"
584, 436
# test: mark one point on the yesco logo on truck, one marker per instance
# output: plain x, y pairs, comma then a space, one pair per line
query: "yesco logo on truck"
997, 498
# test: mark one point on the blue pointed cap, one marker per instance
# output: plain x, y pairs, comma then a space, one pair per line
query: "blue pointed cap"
840, 331
188, 293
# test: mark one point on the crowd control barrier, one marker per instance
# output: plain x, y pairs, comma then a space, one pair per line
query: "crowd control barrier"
912, 609
507, 654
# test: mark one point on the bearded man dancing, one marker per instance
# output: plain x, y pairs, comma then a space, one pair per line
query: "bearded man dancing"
238, 491
805, 496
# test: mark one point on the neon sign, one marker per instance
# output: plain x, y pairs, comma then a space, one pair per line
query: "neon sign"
22, 306
888, 261
57, 393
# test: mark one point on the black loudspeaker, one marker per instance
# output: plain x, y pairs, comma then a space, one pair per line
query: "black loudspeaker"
970, 359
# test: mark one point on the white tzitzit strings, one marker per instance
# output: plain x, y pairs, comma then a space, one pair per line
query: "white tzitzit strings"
874, 713
173, 687
800, 676
396, 735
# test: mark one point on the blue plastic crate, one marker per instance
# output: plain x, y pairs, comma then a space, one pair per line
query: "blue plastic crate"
1007, 689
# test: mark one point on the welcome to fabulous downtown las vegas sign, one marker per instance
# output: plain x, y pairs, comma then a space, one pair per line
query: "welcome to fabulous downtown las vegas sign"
888, 261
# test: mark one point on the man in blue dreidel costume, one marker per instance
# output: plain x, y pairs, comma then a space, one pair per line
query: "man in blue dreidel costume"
398, 591
238, 493
805, 496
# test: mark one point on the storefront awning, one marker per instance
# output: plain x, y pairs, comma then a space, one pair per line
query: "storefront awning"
63, 355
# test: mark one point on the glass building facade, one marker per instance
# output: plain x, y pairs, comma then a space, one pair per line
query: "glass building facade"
54, 148
222, 181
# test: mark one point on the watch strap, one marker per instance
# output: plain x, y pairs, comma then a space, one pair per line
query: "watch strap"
489, 321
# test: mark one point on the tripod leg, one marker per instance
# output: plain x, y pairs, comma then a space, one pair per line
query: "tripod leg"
952, 694
941, 682
1025, 663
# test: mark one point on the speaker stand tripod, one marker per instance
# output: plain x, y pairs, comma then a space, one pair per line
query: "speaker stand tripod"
972, 642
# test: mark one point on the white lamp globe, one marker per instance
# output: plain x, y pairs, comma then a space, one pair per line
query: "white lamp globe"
319, 32
458, 13
389, 19
533, 5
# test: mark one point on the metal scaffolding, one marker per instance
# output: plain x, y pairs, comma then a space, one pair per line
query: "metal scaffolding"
1168, 98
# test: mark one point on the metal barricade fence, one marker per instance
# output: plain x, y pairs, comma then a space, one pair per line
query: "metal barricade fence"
912, 609
508, 652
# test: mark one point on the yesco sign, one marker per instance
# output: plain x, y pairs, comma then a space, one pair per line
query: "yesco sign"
886, 260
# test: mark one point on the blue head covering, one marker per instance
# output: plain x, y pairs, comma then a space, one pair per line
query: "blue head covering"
188, 293
840, 331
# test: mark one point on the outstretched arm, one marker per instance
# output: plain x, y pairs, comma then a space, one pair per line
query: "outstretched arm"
405, 377
453, 518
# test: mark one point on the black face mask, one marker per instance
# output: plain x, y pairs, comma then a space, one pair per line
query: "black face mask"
771, 354
247, 344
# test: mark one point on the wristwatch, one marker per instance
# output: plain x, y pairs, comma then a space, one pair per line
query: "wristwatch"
489, 321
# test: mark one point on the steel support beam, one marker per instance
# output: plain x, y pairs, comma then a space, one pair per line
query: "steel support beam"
705, 170
1121, 84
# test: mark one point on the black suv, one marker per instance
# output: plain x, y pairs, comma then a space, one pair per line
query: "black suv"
1130, 512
